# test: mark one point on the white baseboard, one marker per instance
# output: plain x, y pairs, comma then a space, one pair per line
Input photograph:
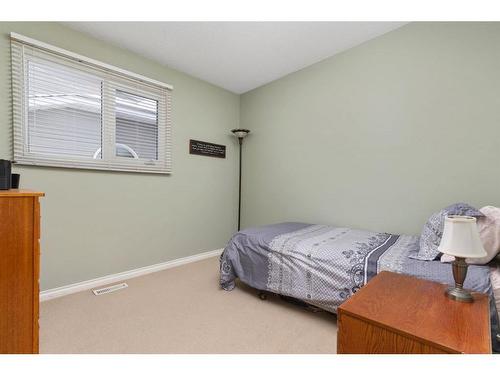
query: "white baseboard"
101, 281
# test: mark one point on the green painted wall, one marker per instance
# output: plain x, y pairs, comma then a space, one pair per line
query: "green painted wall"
380, 136
98, 223
377, 137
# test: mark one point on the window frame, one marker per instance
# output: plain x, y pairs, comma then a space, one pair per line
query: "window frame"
24, 49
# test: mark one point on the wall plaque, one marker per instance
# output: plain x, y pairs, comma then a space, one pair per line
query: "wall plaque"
207, 149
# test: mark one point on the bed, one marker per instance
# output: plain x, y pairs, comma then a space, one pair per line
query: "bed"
324, 265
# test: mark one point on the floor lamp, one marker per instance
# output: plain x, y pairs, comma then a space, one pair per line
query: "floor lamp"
240, 134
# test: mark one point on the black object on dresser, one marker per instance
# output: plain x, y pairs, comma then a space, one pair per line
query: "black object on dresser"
15, 177
5, 174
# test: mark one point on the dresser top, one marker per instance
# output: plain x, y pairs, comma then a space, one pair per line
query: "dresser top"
419, 309
21, 193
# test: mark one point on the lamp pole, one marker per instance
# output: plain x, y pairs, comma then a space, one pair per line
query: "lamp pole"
240, 134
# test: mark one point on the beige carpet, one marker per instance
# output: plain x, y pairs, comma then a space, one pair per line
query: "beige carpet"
182, 310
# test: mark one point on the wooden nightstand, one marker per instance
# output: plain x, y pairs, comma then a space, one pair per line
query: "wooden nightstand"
396, 313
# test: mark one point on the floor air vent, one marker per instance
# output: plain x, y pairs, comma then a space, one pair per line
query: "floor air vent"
109, 289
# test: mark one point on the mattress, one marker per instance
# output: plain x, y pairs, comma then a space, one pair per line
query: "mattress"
495, 283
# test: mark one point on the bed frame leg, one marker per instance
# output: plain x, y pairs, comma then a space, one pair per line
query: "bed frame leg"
263, 296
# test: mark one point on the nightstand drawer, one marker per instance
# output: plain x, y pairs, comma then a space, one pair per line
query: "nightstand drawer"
356, 336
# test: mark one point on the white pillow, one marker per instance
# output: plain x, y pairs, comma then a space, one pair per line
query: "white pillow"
489, 232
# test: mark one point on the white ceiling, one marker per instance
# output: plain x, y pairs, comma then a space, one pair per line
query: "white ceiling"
238, 56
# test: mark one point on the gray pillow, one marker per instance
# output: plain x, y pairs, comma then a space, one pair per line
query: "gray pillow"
433, 229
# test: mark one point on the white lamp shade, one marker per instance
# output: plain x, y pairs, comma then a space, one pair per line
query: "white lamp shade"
240, 133
461, 238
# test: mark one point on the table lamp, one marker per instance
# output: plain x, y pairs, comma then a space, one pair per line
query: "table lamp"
460, 239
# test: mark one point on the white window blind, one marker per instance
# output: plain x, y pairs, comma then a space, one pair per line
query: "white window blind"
136, 125
71, 111
64, 110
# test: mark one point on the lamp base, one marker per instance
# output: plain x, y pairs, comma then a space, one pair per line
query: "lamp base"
459, 294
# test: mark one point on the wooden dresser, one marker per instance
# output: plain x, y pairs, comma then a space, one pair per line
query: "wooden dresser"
19, 270
395, 314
